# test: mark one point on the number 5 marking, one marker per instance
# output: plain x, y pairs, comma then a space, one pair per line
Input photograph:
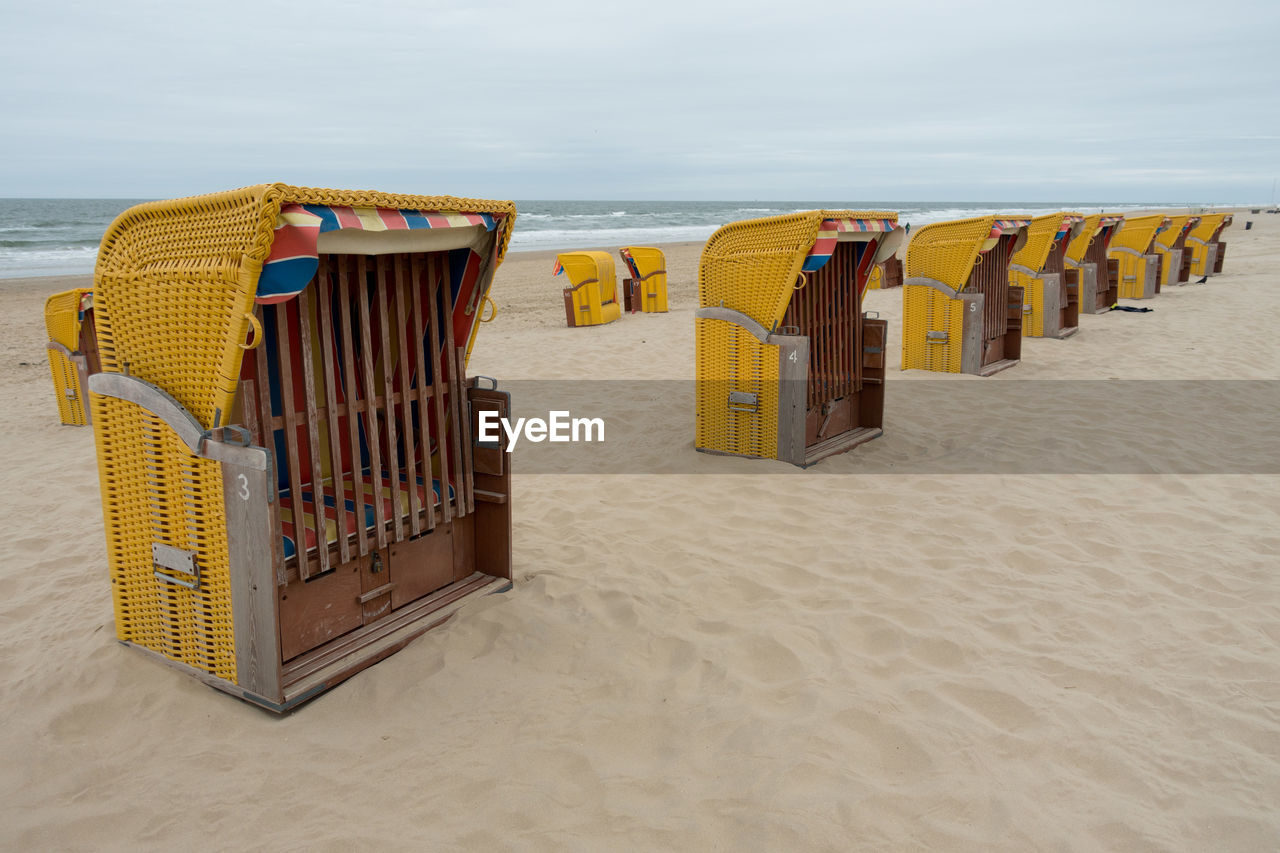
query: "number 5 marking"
244, 486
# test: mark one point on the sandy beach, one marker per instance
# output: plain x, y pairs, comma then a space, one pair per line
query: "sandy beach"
707, 653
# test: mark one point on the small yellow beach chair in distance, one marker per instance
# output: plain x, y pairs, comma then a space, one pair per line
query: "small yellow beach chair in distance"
73, 352
646, 289
592, 297
788, 366
293, 482
1051, 289
1205, 242
1099, 275
960, 314
1170, 244
1134, 248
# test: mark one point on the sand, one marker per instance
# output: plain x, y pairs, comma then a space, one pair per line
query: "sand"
739, 655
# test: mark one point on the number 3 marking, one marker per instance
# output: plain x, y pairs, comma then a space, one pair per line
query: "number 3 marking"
244, 486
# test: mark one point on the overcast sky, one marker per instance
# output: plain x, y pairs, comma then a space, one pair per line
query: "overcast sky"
907, 101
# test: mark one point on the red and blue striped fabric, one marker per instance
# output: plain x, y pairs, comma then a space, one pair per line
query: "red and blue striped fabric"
558, 268
828, 235
631, 263
1068, 222
292, 261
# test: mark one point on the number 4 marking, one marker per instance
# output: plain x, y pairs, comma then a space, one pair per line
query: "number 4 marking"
792, 356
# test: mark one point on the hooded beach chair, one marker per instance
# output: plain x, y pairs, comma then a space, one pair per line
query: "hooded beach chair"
1205, 244
1050, 289
592, 297
646, 289
1134, 247
960, 314
1170, 245
1099, 275
73, 352
292, 486
788, 366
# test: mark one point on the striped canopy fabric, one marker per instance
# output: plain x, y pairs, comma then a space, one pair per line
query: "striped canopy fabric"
558, 269
293, 258
1000, 226
1165, 223
631, 263
828, 235
1068, 222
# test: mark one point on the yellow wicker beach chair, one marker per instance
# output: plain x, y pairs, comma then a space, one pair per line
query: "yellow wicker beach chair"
788, 366
1170, 245
1134, 248
592, 298
1205, 243
959, 312
1050, 289
646, 289
1099, 276
295, 478
73, 352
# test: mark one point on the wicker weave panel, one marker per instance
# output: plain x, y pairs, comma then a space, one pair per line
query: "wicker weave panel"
66, 386
1132, 269
925, 310
62, 320
1138, 233
1079, 245
731, 359
1033, 297
946, 251
752, 266
155, 491
1210, 226
62, 317
1040, 234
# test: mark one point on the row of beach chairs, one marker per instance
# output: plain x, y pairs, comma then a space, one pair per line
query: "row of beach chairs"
293, 477
790, 367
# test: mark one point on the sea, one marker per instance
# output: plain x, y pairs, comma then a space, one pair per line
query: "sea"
45, 236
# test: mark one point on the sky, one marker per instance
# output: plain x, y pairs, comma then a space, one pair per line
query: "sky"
1171, 102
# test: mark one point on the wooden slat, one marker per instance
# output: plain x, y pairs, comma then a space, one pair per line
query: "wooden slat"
406, 333
434, 282
305, 562
423, 436
249, 411
346, 269
457, 397
385, 278
269, 442
324, 287
371, 431
464, 434
313, 427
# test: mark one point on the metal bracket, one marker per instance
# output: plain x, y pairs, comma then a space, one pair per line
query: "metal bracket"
937, 337
744, 401
175, 560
